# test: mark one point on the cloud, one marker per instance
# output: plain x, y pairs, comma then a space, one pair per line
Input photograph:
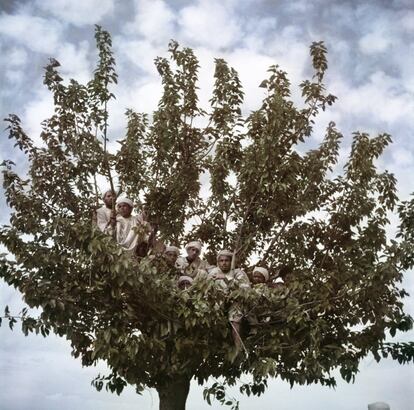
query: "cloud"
211, 24
140, 52
14, 76
36, 33
380, 100
76, 61
407, 21
37, 110
375, 42
17, 56
84, 12
154, 20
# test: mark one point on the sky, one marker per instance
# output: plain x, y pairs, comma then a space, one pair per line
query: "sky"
371, 71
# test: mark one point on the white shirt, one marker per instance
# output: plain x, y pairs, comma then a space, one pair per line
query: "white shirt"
233, 278
130, 231
103, 216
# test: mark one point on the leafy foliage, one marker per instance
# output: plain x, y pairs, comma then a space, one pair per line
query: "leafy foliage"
272, 200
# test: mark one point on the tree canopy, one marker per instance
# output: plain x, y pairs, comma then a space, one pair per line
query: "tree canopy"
272, 199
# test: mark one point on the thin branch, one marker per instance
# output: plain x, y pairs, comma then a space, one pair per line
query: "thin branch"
273, 242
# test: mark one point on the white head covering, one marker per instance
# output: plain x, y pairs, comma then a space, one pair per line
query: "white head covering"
106, 191
125, 201
172, 249
225, 252
263, 271
194, 244
279, 280
185, 278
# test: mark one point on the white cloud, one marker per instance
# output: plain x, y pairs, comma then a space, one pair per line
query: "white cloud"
77, 12
37, 110
74, 60
211, 24
402, 157
375, 42
17, 56
141, 96
14, 76
258, 32
36, 33
252, 68
407, 21
140, 52
154, 20
381, 99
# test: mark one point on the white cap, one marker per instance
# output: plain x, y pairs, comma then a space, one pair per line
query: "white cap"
125, 201
106, 191
225, 252
263, 271
194, 244
185, 278
172, 249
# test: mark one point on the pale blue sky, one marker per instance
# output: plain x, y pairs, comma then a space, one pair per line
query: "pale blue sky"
371, 70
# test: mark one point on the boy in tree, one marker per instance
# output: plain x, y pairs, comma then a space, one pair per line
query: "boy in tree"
131, 231
228, 279
192, 265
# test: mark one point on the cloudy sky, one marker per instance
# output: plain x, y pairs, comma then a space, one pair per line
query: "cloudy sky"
371, 71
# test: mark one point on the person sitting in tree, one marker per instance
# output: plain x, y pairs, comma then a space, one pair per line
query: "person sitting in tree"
192, 265
171, 254
104, 213
228, 278
184, 282
259, 276
131, 231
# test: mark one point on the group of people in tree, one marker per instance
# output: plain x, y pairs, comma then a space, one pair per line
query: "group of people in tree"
133, 233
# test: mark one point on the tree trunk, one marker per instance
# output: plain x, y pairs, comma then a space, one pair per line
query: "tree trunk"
173, 393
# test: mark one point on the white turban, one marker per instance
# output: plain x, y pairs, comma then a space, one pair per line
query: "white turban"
172, 249
225, 252
194, 244
106, 191
263, 271
125, 201
184, 278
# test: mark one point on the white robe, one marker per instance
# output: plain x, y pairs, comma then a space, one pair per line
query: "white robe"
236, 278
130, 231
103, 216
233, 279
195, 268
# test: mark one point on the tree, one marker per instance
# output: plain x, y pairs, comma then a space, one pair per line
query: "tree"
272, 200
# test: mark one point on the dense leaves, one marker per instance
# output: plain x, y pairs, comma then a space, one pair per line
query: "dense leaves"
273, 199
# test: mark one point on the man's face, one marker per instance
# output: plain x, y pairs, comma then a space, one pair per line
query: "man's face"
108, 198
124, 209
185, 284
171, 257
224, 263
258, 277
192, 253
